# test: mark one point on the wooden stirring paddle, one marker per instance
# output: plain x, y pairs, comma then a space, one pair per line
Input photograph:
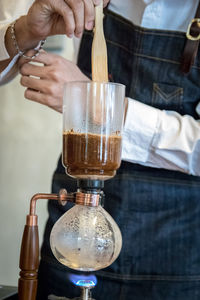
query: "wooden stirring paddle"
99, 49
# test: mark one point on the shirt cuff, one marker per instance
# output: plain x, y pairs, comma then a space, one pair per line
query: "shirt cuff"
140, 126
3, 52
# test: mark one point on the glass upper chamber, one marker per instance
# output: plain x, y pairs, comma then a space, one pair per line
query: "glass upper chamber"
93, 116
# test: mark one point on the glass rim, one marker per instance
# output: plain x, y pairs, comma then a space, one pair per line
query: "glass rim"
93, 82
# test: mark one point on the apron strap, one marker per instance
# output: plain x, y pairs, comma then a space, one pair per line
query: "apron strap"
192, 42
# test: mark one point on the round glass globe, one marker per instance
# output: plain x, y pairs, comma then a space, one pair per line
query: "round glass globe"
86, 238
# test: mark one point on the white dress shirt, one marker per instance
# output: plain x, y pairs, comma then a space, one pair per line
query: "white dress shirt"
165, 139
157, 14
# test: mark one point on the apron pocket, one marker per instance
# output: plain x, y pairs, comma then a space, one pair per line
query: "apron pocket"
167, 96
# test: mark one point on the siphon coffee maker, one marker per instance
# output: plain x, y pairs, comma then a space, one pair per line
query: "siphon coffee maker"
85, 238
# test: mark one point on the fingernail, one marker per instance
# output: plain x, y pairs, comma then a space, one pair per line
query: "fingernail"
70, 36
89, 25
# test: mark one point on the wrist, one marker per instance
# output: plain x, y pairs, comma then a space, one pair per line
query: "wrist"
25, 39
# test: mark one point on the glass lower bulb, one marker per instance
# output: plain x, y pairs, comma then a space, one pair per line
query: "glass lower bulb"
86, 238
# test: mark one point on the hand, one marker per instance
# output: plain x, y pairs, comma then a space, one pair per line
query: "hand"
49, 17
47, 89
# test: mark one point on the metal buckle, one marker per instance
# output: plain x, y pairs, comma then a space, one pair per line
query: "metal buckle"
188, 35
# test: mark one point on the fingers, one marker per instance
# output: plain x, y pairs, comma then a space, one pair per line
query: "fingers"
44, 58
43, 91
55, 69
70, 17
36, 84
89, 14
54, 103
27, 68
105, 2
84, 14
36, 71
50, 17
77, 8
45, 86
64, 10
45, 83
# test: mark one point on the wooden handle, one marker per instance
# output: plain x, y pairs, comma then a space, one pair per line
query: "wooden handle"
29, 262
99, 49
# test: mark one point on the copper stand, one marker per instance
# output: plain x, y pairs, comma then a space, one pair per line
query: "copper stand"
29, 256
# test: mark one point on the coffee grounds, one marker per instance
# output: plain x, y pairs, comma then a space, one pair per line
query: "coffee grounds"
91, 155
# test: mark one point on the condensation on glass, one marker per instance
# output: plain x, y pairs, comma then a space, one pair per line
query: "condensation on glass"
86, 238
92, 129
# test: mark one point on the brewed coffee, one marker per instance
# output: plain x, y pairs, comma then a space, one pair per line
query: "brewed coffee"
90, 155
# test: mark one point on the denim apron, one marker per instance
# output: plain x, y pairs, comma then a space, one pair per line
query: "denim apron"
157, 210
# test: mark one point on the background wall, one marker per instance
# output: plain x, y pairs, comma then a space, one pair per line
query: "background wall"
30, 144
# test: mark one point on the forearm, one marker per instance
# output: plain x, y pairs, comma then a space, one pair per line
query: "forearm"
25, 39
4, 64
161, 139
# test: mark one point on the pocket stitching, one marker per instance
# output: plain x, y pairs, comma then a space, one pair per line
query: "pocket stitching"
163, 95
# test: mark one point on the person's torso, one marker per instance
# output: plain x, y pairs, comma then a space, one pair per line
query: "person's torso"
157, 210
157, 14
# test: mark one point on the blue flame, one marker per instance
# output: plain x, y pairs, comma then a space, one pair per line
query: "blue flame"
83, 280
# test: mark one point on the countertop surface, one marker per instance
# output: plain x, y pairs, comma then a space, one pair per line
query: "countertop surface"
7, 291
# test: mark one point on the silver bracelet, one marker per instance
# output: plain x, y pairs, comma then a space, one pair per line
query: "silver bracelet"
38, 48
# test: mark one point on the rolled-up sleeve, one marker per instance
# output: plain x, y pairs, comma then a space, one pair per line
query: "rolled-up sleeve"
161, 139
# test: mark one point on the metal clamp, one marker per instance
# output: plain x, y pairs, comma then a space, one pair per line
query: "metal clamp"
188, 34
88, 199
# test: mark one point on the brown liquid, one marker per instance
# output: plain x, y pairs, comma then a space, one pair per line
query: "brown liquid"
95, 155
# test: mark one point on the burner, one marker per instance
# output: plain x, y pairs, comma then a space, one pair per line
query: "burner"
82, 280
85, 282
